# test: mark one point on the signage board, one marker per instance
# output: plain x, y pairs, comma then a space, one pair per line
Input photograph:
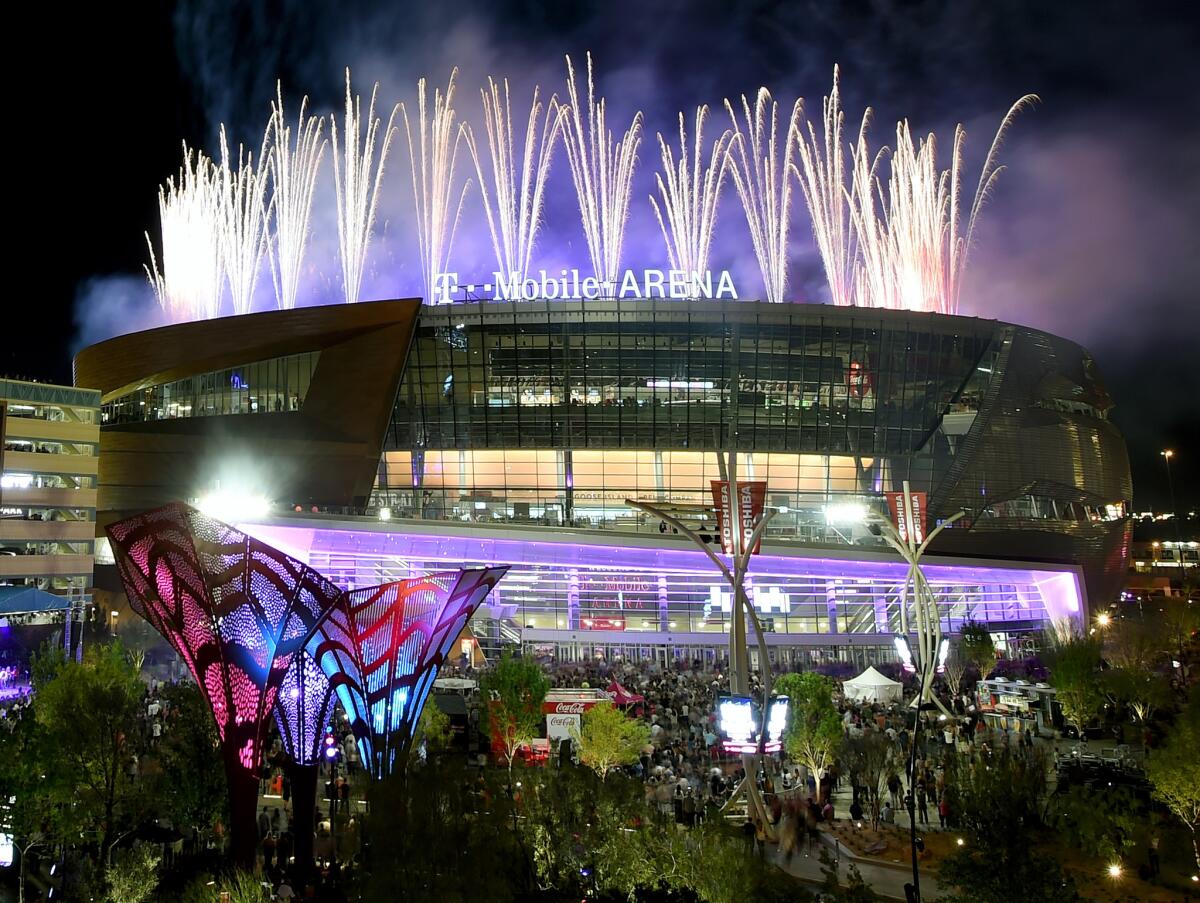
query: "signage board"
752, 497
572, 285
562, 727
739, 719
916, 528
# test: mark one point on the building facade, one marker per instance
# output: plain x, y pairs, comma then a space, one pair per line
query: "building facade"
538, 420
48, 473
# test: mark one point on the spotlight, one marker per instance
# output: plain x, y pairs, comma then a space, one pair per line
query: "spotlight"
234, 507
385, 513
960, 841
1114, 870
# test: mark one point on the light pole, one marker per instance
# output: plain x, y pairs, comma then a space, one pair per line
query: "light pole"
1167, 455
740, 608
930, 655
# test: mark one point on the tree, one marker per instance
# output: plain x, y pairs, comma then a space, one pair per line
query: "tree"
432, 734
1074, 666
87, 713
1102, 825
134, 876
956, 668
189, 783
1174, 770
1136, 644
977, 647
870, 759
814, 734
513, 691
997, 801
30, 815
1141, 691
609, 738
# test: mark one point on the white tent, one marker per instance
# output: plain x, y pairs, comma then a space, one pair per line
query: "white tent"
871, 686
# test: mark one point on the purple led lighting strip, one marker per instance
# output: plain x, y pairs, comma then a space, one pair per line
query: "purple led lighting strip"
354, 555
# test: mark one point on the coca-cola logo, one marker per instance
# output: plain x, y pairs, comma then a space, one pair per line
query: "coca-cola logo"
569, 708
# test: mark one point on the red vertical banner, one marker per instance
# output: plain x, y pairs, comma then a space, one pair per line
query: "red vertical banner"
752, 497
724, 505
916, 501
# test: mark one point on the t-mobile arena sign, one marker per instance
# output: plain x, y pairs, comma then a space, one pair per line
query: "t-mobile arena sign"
571, 285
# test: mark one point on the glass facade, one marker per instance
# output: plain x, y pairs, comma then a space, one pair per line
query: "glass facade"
556, 412
270, 386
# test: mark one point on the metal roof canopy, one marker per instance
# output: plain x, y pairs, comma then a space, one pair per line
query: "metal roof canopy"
24, 600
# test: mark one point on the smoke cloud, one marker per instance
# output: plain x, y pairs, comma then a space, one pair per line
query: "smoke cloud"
1091, 233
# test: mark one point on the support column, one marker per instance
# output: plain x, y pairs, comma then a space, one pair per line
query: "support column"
304, 806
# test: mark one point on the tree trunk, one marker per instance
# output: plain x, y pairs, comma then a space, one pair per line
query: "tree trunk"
243, 806
304, 805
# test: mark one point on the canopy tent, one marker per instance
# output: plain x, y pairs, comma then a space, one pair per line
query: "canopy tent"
621, 696
871, 686
24, 600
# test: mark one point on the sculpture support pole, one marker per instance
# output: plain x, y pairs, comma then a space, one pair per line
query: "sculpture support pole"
243, 806
304, 811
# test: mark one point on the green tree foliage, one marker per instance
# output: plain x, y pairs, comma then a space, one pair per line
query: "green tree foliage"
956, 668
134, 876
608, 738
1140, 691
1074, 663
443, 835
188, 782
590, 836
869, 760
238, 887
977, 648
1103, 825
1174, 770
814, 734
87, 717
513, 691
433, 730
997, 800
33, 816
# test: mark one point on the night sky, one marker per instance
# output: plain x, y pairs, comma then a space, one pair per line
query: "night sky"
1093, 232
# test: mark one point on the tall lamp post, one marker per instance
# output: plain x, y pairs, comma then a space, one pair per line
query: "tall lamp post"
907, 536
1167, 455
734, 573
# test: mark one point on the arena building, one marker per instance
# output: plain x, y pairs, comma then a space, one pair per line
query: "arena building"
393, 437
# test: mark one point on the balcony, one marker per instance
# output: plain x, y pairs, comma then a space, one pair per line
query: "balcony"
47, 530
40, 462
48, 497
34, 429
45, 565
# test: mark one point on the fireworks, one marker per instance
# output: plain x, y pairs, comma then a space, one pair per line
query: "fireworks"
514, 211
602, 171
891, 237
689, 196
294, 168
356, 185
763, 180
433, 181
188, 280
822, 177
243, 222
913, 248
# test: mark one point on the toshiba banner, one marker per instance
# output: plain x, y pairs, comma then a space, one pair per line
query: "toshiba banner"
752, 497
916, 502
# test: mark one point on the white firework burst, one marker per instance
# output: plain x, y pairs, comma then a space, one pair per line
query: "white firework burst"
690, 191
762, 172
357, 179
602, 170
514, 203
433, 161
294, 168
187, 277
